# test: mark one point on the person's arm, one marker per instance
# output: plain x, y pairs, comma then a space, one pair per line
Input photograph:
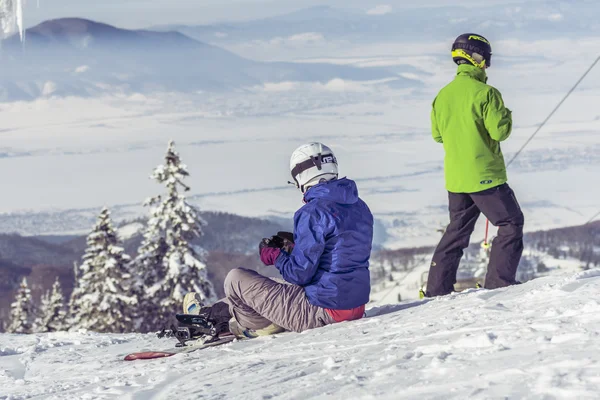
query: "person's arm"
435, 132
497, 118
300, 266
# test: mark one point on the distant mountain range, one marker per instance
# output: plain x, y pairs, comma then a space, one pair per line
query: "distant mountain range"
523, 20
79, 57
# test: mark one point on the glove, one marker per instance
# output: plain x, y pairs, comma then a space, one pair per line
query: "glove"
273, 242
289, 236
288, 241
270, 248
268, 255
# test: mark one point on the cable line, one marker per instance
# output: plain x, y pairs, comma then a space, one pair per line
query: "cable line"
518, 153
554, 111
593, 218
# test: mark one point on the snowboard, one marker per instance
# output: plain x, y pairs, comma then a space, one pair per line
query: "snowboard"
195, 332
199, 344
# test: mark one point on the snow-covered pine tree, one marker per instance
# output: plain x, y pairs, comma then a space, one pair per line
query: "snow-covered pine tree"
51, 316
102, 300
38, 325
168, 264
22, 313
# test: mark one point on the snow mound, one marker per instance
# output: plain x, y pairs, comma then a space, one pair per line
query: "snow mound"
536, 340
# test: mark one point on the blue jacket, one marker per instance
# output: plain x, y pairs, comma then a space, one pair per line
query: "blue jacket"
333, 233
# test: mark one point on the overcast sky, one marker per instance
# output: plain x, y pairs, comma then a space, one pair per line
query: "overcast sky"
144, 13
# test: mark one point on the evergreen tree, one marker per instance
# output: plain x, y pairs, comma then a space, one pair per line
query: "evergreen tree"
52, 314
22, 311
102, 300
169, 265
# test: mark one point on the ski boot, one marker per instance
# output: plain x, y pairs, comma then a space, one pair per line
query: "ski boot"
192, 303
216, 314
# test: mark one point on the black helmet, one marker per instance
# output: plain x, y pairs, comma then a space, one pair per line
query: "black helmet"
472, 48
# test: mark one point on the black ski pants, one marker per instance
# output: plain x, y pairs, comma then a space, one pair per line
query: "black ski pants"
500, 206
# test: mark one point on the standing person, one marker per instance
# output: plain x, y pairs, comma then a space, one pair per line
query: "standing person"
469, 118
325, 262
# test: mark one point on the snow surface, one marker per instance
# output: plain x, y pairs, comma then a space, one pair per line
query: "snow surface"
534, 341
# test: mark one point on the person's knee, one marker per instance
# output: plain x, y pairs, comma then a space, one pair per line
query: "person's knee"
458, 236
514, 227
234, 277
518, 221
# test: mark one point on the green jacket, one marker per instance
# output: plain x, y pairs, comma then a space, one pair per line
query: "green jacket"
470, 119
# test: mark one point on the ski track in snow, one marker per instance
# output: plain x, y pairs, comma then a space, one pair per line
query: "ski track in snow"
533, 341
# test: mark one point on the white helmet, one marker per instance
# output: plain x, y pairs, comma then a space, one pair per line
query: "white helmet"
311, 164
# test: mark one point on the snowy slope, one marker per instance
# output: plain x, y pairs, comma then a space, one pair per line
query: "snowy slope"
534, 341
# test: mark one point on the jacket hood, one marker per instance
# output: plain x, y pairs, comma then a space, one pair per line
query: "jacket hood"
342, 191
472, 72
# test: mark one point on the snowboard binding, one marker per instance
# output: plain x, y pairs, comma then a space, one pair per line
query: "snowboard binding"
191, 328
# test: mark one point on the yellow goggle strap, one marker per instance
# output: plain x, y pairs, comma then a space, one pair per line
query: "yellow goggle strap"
463, 54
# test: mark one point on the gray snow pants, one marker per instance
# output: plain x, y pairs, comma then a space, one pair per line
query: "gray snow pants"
257, 301
500, 206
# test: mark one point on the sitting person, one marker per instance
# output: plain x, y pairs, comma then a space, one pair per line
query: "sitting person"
325, 262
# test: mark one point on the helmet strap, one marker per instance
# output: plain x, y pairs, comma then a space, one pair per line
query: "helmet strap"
316, 161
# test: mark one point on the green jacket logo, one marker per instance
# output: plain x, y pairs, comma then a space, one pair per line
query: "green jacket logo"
486, 182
